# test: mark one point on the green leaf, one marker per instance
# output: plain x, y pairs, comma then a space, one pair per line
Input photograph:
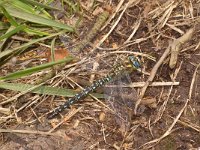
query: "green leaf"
37, 19
4, 41
35, 31
10, 33
22, 6
8, 16
31, 70
20, 87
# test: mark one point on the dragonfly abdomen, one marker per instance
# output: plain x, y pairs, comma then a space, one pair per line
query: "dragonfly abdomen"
79, 96
116, 70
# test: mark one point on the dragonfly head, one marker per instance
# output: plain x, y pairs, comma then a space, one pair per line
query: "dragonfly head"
135, 62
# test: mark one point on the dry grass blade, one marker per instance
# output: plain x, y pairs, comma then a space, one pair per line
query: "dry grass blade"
175, 28
141, 84
166, 10
193, 80
26, 132
159, 10
188, 124
6, 111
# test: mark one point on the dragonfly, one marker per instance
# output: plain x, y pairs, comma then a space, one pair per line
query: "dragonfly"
129, 64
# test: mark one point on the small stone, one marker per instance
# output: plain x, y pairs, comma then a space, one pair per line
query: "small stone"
102, 116
76, 124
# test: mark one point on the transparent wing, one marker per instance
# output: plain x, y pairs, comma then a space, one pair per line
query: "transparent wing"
121, 100
66, 40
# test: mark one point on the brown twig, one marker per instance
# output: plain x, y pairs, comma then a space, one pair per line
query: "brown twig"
173, 45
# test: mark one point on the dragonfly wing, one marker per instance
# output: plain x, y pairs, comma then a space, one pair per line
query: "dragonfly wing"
66, 40
121, 100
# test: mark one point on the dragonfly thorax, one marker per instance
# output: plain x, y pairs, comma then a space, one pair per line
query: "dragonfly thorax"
134, 62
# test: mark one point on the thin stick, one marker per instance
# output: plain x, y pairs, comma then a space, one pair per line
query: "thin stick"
188, 124
26, 132
141, 84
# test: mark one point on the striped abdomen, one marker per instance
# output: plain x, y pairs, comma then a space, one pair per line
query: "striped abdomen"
114, 72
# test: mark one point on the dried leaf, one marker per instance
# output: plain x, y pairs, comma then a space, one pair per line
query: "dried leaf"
60, 53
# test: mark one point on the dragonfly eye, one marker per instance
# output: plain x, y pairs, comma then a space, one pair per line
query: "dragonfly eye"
135, 62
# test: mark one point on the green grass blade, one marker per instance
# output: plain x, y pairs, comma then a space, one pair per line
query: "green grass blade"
32, 70
4, 40
20, 87
22, 6
8, 16
10, 33
37, 19
35, 3
35, 31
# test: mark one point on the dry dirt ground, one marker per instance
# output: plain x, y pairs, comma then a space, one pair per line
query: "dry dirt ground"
171, 116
